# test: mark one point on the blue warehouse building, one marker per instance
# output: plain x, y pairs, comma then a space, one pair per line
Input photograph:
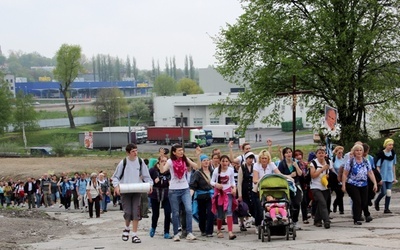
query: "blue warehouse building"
82, 89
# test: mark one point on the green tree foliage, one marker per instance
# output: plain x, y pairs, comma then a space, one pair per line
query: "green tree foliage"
25, 116
5, 104
140, 109
164, 85
189, 87
110, 105
24, 112
135, 69
20, 63
186, 69
67, 69
128, 67
346, 51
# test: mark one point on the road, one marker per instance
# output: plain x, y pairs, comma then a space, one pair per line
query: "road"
276, 135
105, 233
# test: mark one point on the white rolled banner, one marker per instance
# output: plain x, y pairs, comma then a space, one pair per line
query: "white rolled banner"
134, 188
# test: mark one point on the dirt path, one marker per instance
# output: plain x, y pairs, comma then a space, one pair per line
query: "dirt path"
21, 168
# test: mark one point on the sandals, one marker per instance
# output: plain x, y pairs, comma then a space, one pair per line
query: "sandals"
136, 239
220, 234
232, 237
125, 235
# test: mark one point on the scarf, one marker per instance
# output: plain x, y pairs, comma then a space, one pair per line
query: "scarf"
179, 168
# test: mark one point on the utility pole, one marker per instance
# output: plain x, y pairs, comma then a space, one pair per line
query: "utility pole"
294, 94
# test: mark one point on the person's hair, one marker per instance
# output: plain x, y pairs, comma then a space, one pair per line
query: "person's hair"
366, 147
172, 156
215, 154
225, 156
244, 145
285, 150
213, 151
320, 149
338, 148
264, 153
299, 152
159, 160
355, 147
129, 147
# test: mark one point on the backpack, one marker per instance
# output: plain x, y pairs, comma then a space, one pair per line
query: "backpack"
124, 166
381, 156
307, 178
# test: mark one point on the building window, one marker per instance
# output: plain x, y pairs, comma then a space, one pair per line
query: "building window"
198, 121
214, 121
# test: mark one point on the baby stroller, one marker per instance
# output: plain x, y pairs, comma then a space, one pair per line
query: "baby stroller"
278, 187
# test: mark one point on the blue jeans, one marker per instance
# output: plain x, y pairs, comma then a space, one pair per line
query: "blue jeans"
385, 186
176, 196
103, 203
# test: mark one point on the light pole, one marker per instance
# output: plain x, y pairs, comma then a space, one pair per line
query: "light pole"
119, 115
109, 129
182, 142
194, 109
90, 95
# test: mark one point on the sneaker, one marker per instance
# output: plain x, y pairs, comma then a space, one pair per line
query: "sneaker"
190, 236
376, 206
327, 225
167, 236
177, 237
368, 219
152, 232
243, 228
60, 206
387, 211
296, 226
318, 224
203, 234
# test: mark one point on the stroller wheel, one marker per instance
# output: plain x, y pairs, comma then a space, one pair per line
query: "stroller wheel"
287, 232
294, 234
263, 234
269, 234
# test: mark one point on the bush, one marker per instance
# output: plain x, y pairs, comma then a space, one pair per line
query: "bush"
60, 145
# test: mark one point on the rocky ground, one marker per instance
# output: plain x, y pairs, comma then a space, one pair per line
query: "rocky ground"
22, 226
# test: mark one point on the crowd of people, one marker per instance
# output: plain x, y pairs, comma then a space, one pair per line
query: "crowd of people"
220, 189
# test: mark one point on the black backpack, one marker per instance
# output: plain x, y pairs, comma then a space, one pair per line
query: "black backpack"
307, 178
124, 166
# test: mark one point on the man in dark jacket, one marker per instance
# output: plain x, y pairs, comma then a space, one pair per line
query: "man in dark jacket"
30, 190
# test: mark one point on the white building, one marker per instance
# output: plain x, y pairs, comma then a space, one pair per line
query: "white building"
10, 79
196, 111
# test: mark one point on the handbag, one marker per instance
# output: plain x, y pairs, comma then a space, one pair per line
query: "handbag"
108, 199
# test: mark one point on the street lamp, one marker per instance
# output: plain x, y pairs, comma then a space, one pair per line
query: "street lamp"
109, 129
194, 109
119, 115
182, 142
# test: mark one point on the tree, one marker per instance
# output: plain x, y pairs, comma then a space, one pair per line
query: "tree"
191, 68
109, 105
140, 109
67, 69
189, 86
346, 51
164, 85
128, 67
5, 104
135, 70
25, 116
186, 70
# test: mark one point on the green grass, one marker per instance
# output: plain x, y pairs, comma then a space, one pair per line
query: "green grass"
63, 114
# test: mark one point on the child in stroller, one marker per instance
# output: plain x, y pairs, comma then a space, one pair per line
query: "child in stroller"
275, 209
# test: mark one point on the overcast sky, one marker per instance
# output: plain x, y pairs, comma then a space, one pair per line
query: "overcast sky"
144, 29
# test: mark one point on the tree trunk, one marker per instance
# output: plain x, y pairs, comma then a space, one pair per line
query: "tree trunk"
69, 110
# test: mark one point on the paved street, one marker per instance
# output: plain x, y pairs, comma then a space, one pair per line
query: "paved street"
105, 233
